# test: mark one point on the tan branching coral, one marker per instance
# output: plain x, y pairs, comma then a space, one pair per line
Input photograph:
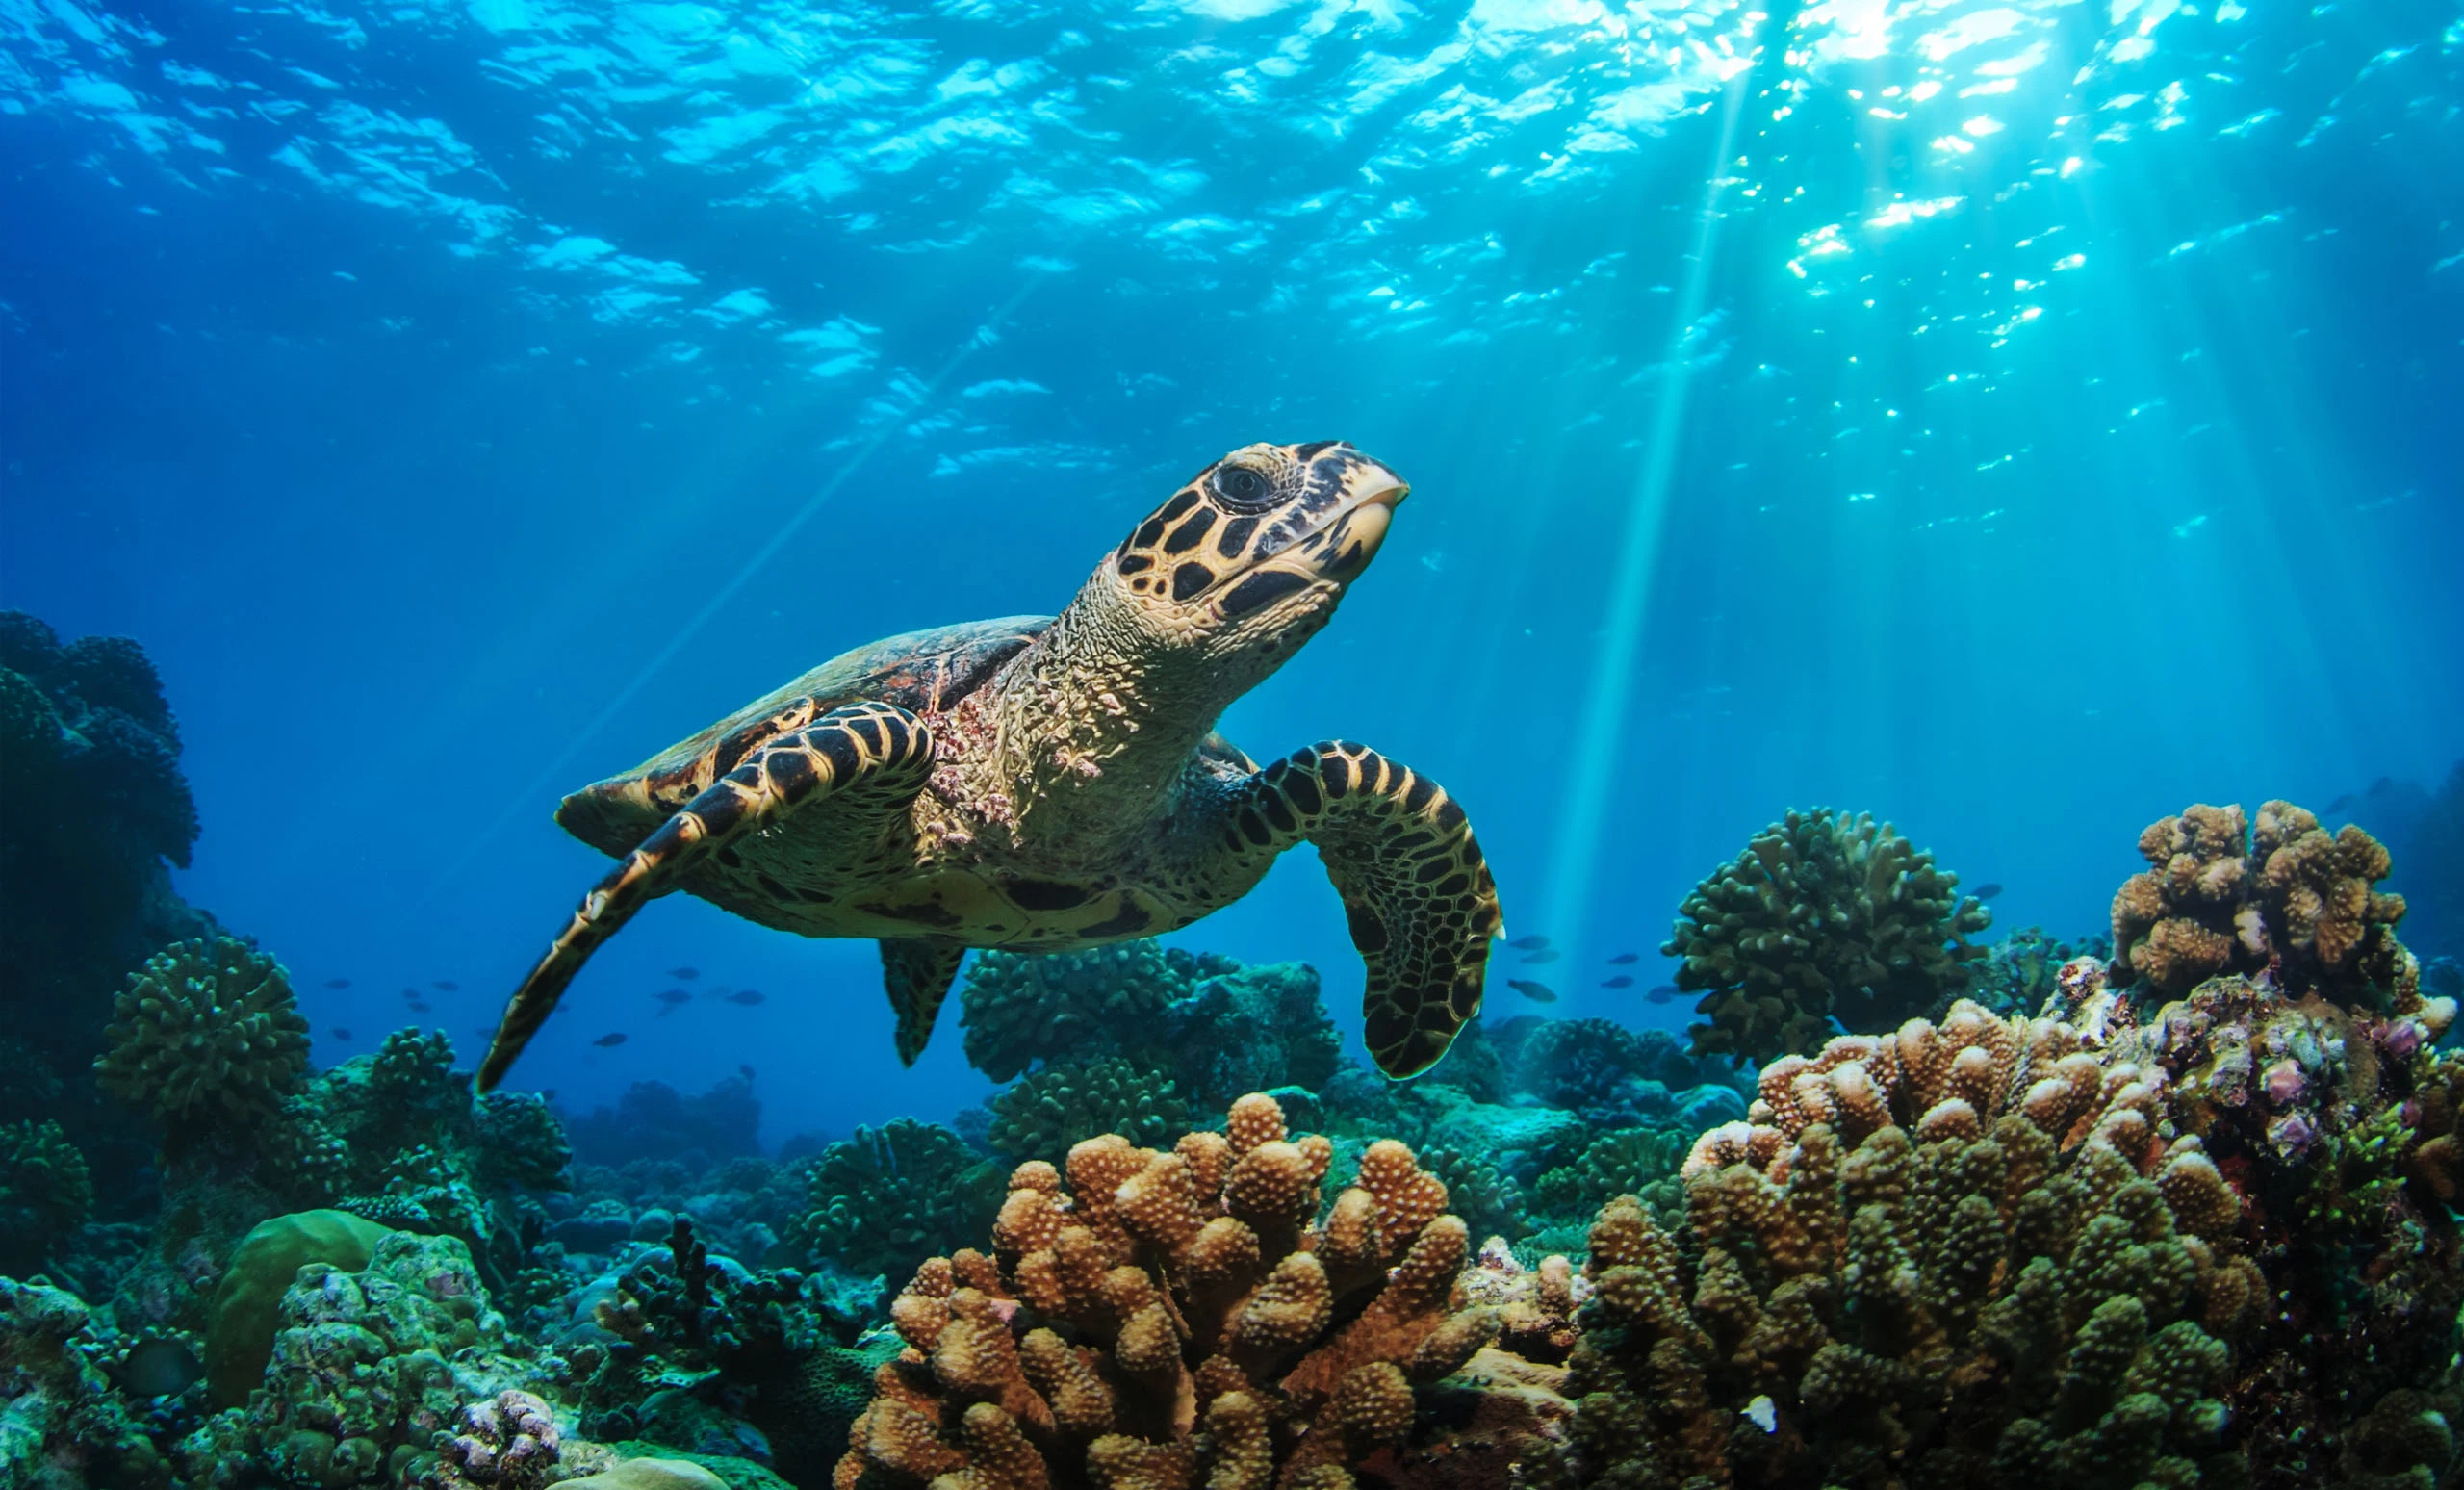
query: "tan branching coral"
1173, 1318
2021, 1283
2225, 896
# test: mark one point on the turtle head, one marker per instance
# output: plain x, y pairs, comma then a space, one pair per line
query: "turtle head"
1252, 557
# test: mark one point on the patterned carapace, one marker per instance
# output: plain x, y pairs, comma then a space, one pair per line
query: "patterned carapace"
1040, 785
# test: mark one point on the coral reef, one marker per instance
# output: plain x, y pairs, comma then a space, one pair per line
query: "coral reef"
93, 813
1053, 1107
1612, 1076
2019, 972
1215, 1027
653, 1120
893, 1193
46, 1190
1824, 916
207, 1037
1961, 1255
240, 1331
1175, 1319
64, 1426
2281, 894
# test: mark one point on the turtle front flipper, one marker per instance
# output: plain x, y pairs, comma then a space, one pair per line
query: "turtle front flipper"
874, 753
1415, 889
917, 972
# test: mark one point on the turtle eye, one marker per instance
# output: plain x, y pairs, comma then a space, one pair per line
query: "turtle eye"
1242, 487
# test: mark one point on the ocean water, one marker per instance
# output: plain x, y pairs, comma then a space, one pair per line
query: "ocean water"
2017, 421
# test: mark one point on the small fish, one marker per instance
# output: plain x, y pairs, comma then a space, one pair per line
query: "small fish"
1528, 944
687, 974
1623, 958
1988, 891
338, 983
606, 1041
671, 998
1537, 992
160, 1368
1662, 994
747, 996
1621, 980
447, 984
748, 1071
410, 992
1544, 955
339, 1033
419, 1005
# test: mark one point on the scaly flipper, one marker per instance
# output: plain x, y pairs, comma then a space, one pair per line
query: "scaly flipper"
1416, 891
917, 972
876, 753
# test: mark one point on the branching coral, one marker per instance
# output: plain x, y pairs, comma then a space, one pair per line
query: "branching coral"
2221, 898
207, 1035
1823, 915
1176, 1319
45, 1192
1627, 1162
1214, 1026
892, 1194
1051, 1109
2022, 1284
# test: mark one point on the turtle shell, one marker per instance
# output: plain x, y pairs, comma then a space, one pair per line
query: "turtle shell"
924, 672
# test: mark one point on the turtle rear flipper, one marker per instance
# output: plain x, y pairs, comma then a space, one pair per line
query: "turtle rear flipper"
917, 972
1415, 889
865, 754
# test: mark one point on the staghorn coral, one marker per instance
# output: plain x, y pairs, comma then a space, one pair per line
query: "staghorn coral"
1215, 1027
2023, 1284
1176, 1319
2224, 896
1823, 915
1049, 1109
45, 1192
207, 1037
891, 1194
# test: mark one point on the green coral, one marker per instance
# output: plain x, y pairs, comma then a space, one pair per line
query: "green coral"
206, 1035
1051, 1109
1489, 1201
368, 1373
1823, 915
1628, 1162
45, 1192
1218, 1028
240, 1331
892, 1195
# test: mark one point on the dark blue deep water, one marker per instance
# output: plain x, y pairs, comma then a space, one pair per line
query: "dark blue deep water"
2017, 420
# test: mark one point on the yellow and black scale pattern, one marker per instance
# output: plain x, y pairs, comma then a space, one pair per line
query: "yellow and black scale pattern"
1042, 784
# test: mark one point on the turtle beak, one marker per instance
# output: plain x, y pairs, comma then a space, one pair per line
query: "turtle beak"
1371, 495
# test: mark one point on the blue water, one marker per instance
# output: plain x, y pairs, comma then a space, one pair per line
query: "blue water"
2017, 421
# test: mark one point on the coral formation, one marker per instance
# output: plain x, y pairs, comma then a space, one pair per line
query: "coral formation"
893, 1193
46, 1190
207, 1037
1053, 1107
240, 1330
1953, 1256
93, 813
1215, 1027
1175, 1319
1824, 916
653, 1120
2283, 894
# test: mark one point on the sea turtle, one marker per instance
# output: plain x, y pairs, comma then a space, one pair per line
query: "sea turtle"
1038, 783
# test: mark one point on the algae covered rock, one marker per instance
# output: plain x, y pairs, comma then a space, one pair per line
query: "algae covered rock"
248, 1302
206, 1035
1824, 916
